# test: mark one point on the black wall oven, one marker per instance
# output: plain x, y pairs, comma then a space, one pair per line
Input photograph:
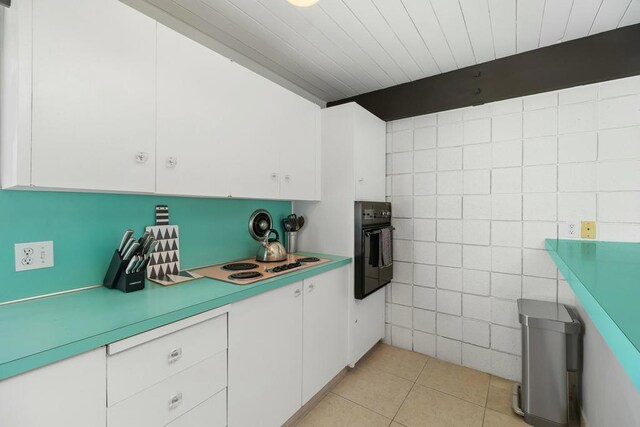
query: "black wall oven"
373, 247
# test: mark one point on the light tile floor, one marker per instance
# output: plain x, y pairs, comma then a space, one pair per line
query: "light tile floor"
395, 387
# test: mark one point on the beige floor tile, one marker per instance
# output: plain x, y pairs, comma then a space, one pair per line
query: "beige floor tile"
376, 390
428, 407
500, 395
397, 361
501, 382
395, 424
459, 381
336, 411
498, 419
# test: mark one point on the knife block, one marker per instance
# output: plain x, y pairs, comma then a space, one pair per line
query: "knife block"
117, 278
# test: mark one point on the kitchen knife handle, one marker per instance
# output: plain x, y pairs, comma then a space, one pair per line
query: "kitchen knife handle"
131, 264
127, 246
131, 250
144, 263
147, 244
152, 247
125, 239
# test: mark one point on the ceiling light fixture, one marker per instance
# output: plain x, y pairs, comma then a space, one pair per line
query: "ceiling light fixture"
303, 3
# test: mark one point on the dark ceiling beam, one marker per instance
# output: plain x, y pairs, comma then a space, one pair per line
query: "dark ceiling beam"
606, 56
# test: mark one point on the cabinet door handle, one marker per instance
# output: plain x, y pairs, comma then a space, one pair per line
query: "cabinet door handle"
361, 180
175, 355
142, 157
297, 292
288, 179
175, 401
274, 176
312, 286
172, 162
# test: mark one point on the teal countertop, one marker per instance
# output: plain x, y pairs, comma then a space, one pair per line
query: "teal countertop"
42, 331
605, 277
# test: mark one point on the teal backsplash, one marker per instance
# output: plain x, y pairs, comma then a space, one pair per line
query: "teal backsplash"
86, 228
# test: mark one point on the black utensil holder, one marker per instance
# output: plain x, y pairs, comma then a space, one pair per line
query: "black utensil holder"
117, 278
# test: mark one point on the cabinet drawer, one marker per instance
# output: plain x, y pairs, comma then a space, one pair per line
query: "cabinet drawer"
210, 413
173, 397
139, 367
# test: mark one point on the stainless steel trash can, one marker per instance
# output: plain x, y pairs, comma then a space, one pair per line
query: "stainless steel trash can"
551, 362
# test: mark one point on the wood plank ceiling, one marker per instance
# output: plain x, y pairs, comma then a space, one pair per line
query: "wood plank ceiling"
341, 48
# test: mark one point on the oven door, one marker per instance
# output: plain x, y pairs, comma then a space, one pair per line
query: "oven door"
375, 275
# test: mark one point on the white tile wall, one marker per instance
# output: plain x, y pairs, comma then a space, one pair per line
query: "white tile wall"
540, 151
476, 257
578, 147
475, 193
475, 282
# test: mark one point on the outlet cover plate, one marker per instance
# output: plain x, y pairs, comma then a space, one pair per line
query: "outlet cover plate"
34, 255
570, 230
588, 230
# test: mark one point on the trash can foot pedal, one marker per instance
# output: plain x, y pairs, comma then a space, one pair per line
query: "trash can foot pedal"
516, 400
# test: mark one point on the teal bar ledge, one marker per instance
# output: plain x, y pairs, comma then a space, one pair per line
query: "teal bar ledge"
605, 276
39, 332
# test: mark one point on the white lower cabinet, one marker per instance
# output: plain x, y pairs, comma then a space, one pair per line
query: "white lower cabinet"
254, 363
285, 346
265, 357
210, 413
160, 376
163, 356
70, 393
173, 397
324, 349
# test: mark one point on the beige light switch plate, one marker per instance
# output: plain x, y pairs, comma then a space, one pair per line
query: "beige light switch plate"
588, 230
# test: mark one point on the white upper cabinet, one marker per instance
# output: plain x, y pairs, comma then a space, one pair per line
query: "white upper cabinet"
225, 131
298, 132
93, 120
99, 97
353, 152
210, 134
369, 147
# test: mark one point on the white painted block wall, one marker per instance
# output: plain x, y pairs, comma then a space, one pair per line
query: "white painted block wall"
476, 191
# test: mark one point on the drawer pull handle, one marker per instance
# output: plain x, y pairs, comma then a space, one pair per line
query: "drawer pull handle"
175, 355
175, 401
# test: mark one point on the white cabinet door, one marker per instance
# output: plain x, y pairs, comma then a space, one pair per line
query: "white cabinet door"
93, 123
369, 153
325, 323
265, 358
226, 131
299, 149
209, 129
69, 393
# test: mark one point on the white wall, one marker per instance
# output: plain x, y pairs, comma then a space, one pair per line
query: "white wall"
476, 191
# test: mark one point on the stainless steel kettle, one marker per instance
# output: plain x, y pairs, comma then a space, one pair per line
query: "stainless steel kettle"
271, 250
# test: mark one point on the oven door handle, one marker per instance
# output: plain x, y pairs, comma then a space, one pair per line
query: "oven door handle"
378, 231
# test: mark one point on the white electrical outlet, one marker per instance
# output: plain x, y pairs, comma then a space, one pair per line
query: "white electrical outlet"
571, 230
30, 256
